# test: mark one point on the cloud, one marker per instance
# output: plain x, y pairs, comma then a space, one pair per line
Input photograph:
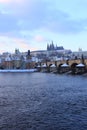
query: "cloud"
39, 38
67, 26
10, 1
8, 23
36, 14
5, 1
23, 16
9, 44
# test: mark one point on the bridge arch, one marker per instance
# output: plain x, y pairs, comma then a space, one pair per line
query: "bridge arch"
73, 67
50, 65
60, 65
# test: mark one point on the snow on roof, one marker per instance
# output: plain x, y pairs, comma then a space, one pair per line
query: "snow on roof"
64, 65
7, 59
24, 58
16, 58
80, 65
53, 65
24, 70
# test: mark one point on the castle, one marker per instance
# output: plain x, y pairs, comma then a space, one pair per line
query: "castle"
53, 47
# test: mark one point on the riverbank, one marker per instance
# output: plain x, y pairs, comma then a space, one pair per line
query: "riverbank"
15, 71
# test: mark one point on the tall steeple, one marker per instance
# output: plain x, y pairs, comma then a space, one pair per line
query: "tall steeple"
48, 47
52, 45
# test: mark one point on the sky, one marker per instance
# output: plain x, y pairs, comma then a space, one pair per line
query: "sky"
32, 24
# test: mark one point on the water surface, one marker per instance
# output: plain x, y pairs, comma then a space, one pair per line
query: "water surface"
40, 101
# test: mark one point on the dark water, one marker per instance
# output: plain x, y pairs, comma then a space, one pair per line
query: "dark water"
39, 101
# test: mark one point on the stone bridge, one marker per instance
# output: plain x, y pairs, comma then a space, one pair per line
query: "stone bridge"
71, 66
69, 62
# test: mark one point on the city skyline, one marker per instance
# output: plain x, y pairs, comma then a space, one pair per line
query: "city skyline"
31, 24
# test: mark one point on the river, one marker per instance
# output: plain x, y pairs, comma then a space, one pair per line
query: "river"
43, 101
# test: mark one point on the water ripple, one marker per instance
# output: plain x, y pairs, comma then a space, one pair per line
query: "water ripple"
40, 101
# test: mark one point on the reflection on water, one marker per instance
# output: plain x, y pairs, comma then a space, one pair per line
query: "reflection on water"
39, 101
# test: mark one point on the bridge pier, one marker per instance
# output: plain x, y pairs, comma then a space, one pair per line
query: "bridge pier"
71, 66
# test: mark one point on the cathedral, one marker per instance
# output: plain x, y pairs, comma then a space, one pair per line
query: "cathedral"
53, 47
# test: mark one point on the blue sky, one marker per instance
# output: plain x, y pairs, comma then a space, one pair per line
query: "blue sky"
31, 24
